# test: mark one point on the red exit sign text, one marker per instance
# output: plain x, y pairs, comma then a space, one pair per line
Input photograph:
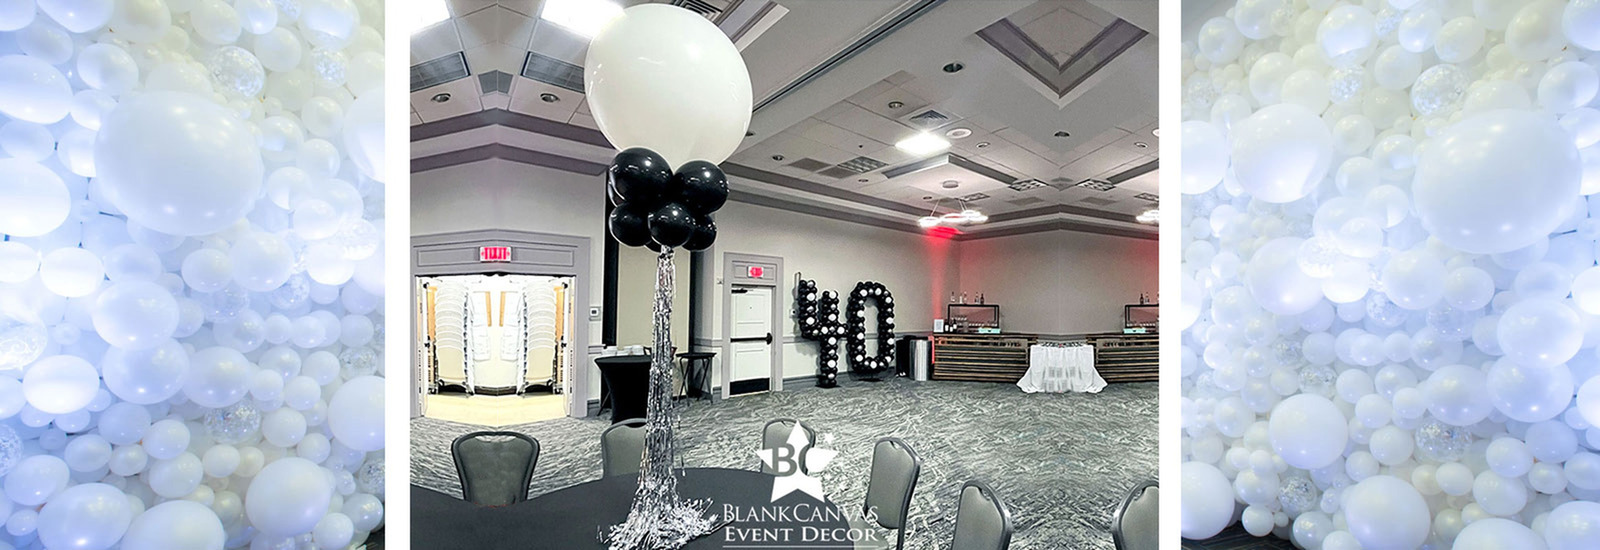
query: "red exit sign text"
494, 253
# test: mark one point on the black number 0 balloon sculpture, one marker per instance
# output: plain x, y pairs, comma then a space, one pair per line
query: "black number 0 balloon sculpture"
820, 321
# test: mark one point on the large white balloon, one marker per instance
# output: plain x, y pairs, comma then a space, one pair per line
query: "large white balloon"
92, 516
175, 525
288, 497
1384, 512
355, 414
1205, 154
666, 79
1207, 501
178, 163
1308, 431
1497, 181
1280, 153
1276, 281
36, 201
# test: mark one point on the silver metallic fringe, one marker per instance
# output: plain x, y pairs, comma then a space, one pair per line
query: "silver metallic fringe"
660, 520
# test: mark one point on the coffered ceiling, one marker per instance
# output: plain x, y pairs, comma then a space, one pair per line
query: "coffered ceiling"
1051, 116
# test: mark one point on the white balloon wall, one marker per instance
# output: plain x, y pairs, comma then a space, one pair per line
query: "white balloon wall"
1390, 302
191, 213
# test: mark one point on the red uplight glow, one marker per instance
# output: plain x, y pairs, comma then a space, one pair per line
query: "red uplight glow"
943, 231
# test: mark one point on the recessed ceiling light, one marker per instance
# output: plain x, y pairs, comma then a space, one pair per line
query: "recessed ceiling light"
1062, 134
861, 180
958, 133
427, 13
584, 17
896, 104
954, 67
983, 145
1156, 132
1140, 144
548, 97
950, 184
778, 158
441, 97
922, 144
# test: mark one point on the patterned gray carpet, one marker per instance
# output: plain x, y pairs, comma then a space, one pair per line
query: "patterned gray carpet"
1061, 462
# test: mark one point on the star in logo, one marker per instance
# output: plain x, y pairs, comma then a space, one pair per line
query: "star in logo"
787, 460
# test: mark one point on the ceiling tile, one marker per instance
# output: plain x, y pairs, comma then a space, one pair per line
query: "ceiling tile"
525, 98
460, 8
525, 7
494, 57
435, 42
480, 27
871, 125
464, 99
909, 103
551, 39
496, 101
866, 95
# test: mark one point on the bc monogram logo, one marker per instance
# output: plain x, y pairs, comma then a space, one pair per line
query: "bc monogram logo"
793, 463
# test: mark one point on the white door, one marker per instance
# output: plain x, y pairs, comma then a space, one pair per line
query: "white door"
752, 340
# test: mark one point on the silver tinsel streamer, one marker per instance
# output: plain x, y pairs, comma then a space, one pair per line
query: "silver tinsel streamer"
660, 520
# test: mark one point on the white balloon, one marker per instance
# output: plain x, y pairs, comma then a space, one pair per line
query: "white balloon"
1207, 501
666, 79
1573, 526
1383, 512
355, 414
146, 376
1497, 534
176, 181
92, 516
60, 384
1540, 332
1205, 157
1281, 152
218, 377
288, 497
1496, 182
136, 315
36, 200
1307, 431
175, 525
33, 91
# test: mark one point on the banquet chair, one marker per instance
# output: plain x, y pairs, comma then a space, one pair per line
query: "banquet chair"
892, 480
495, 468
1134, 523
622, 447
776, 434
982, 520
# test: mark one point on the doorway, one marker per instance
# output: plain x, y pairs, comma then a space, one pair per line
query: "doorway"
497, 349
752, 335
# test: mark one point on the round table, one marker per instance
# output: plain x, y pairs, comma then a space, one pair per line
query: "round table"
575, 517
628, 379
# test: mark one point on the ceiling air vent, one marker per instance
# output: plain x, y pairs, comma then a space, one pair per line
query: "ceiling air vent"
552, 71
928, 120
1025, 201
710, 9
809, 164
975, 197
1098, 201
495, 82
1097, 185
1027, 185
862, 165
1148, 196
434, 72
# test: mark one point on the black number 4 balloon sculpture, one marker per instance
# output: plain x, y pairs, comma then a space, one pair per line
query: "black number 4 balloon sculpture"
818, 314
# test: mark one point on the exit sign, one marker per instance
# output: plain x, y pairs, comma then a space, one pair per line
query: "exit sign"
755, 271
494, 253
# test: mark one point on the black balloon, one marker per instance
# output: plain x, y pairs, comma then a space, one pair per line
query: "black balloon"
639, 175
702, 185
650, 244
705, 233
611, 194
671, 225
629, 226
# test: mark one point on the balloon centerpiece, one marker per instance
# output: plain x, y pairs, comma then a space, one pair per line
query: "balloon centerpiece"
669, 89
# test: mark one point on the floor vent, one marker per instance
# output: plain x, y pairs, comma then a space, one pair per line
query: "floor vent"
434, 72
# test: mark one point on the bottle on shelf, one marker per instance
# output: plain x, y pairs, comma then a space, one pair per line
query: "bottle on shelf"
963, 296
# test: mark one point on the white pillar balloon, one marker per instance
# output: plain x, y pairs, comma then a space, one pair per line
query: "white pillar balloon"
172, 348
1389, 282
666, 79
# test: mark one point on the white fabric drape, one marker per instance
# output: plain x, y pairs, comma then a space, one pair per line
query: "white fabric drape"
1059, 369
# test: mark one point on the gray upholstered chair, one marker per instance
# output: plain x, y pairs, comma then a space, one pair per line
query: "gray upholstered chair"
495, 467
622, 447
895, 468
776, 434
1135, 523
982, 520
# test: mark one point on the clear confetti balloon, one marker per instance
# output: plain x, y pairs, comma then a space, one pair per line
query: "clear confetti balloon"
191, 206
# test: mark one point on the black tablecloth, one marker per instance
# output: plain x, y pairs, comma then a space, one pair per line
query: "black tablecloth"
574, 517
628, 378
